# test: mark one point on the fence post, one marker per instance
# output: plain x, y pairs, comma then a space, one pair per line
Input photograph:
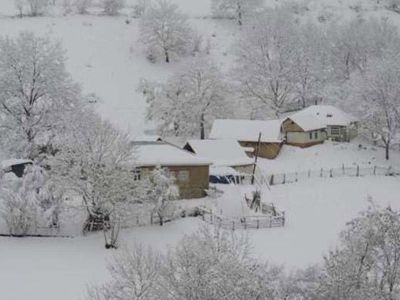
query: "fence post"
374, 170
343, 172
233, 225
137, 220
258, 223
284, 179
309, 173
151, 219
331, 173
297, 177
271, 180
284, 219
358, 171
322, 170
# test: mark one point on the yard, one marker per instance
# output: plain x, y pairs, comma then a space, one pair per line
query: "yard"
316, 210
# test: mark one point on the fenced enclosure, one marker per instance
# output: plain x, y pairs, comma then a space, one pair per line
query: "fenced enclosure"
344, 171
251, 222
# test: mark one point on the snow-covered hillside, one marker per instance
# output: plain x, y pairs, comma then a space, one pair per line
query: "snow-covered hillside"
105, 57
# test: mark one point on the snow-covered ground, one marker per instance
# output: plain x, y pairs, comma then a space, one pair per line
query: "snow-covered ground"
329, 155
316, 212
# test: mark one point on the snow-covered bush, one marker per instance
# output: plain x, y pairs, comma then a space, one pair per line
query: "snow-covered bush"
165, 31
112, 7
161, 192
31, 202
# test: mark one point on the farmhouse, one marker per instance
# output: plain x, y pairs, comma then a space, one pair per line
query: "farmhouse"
247, 132
16, 166
190, 171
318, 123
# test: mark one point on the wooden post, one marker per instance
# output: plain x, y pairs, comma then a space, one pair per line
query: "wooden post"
321, 174
137, 220
284, 179
297, 179
358, 171
233, 225
151, 219
271, 180
256, 159
331, 173
374, 170
309, 173
258, 223
343, 169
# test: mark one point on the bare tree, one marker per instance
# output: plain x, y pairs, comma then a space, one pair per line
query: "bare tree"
82, 6
37, 7
165, 30
112, 7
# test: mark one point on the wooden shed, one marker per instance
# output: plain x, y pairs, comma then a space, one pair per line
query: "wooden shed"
190, 171
247, 132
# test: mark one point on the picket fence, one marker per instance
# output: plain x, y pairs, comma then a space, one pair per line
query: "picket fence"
344, 171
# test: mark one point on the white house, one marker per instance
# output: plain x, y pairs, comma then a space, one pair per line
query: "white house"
317, 123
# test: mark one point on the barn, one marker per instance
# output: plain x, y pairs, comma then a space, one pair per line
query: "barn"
190, 171
247, 133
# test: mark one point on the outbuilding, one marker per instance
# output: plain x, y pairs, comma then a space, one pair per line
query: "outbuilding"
247, 133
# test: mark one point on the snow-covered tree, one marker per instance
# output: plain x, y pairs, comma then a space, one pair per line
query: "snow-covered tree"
36, 92
265, 60
165, 31
379, 93
367, 263
93, 162
235, 9
140, 7
20, 5
189, 102
112, 7
82, 6
161, 191
37, 7
135, 274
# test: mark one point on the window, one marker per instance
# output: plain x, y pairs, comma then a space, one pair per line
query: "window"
335, 131
310, 135
316, 135
137, 174
183, 176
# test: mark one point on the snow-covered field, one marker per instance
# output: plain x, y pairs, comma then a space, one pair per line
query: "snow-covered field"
316, 212
105, 57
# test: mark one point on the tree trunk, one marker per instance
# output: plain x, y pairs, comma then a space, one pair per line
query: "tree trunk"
166, 56
239, 15
387, 150
161, 220
202, 129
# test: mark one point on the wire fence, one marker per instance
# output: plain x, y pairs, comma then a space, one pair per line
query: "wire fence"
251, 222
344, 171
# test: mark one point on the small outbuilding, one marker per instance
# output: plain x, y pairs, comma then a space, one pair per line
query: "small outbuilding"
190, 171
16, 166
247, 132
318, 123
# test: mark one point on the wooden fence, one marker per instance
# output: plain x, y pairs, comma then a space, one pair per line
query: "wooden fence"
353, 171
254, 222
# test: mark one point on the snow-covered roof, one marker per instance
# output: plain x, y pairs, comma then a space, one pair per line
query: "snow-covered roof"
148, 138
321, 116
6, 164
247, 130
221, 152
223, 171
164, 154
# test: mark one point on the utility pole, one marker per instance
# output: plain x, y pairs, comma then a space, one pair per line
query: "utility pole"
256, 159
